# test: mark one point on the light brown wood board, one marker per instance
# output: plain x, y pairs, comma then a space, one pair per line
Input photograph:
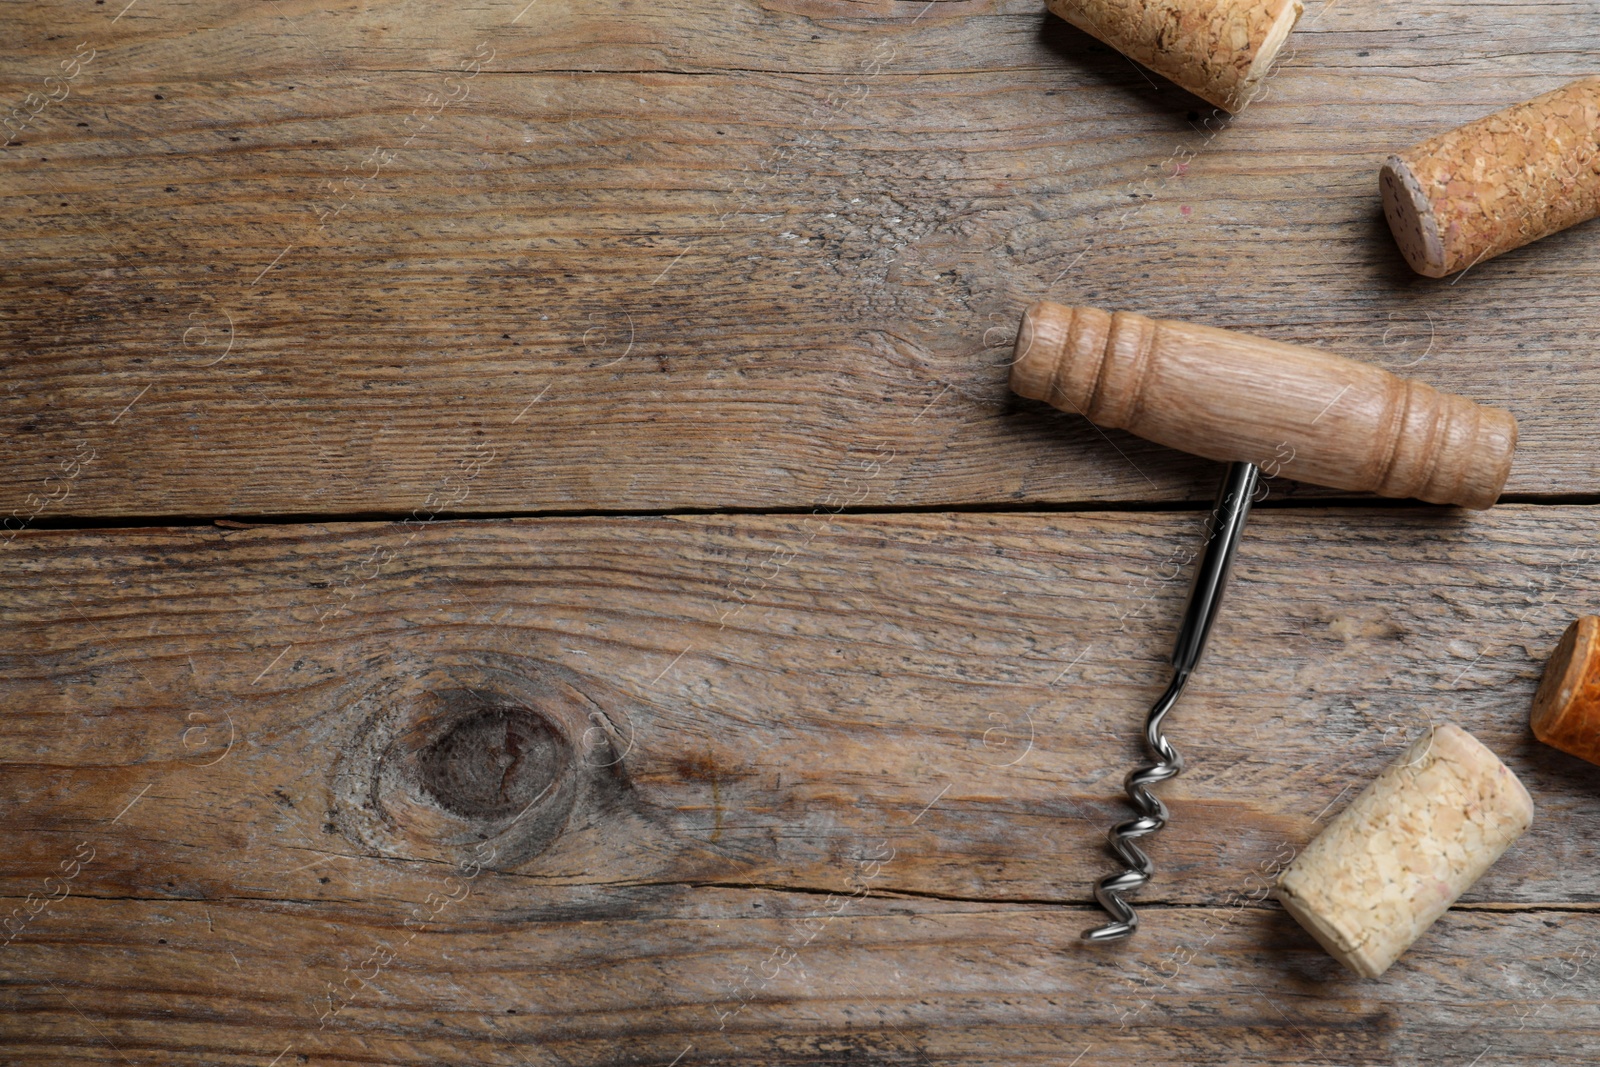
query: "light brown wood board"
323, 266
912, 726
281, 260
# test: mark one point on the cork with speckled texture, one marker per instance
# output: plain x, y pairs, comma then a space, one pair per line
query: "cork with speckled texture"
1219, 50
1498, 183
1566, 708
1415, 839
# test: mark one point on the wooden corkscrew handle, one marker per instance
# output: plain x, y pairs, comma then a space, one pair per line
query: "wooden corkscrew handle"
1300, 412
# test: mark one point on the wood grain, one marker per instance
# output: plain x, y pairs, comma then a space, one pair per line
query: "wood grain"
1299, 412
805, 788
284, 260
886, 981
926, 716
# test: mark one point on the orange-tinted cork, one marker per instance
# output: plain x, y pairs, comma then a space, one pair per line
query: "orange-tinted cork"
1498, 183
1219, 50
1566, 709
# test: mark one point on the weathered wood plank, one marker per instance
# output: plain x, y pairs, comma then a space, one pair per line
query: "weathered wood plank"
776, 688
685, 257
733, 252
771, 977
678, 735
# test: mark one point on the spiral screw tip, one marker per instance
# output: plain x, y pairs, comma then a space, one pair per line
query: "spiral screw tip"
1222, 539
1110, 932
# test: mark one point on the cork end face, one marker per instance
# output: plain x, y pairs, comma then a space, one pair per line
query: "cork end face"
1266, 54
1334, 941
1515, 805
1411, 219
1559, 706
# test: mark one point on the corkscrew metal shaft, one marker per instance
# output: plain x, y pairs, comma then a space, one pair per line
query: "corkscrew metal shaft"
1224, 527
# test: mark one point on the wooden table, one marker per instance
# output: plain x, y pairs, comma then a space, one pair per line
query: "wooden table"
527, 555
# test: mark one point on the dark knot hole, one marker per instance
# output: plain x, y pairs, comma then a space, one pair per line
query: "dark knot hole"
494, 763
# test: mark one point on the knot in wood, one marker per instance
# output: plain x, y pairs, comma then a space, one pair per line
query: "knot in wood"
457, 755
493, 763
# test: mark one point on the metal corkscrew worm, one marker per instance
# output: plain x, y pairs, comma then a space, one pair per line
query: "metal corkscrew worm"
1224, 526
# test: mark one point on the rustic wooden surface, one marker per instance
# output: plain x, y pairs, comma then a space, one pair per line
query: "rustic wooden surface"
820, 776
751, 713
731, 244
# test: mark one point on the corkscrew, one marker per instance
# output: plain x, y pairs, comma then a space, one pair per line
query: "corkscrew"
1298, 412
1224, 526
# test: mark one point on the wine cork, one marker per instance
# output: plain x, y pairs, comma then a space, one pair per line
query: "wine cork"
1415, 839
1219, 50
1498, 183
1566, 708
1291, 410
